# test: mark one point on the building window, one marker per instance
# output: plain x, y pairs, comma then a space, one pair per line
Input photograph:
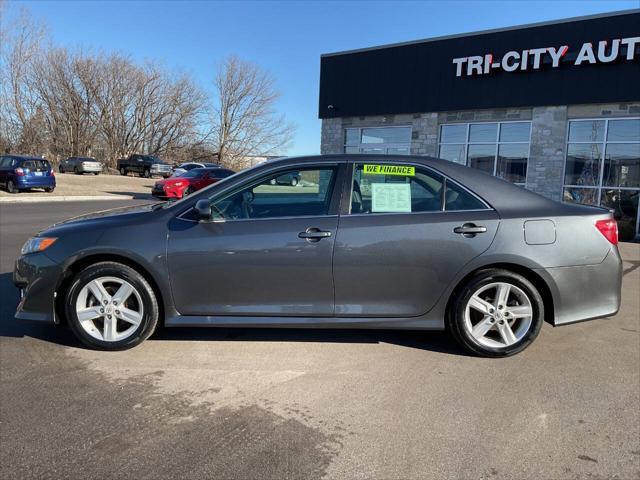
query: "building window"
603, 168
500, 148
378, 140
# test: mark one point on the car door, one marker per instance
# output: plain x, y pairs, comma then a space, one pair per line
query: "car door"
268, 252
401, 239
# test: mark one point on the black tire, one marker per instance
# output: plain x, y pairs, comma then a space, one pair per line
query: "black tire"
113, 269
123, 171
188, 191
456, 322
76, 171
11, 187
48, 189
61, 169
96, 173
294, 181
146, 173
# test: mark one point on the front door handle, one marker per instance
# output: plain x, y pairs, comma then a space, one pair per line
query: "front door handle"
314, 234
470, 230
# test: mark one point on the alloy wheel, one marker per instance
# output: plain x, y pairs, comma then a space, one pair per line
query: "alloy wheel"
498, 315
109, 309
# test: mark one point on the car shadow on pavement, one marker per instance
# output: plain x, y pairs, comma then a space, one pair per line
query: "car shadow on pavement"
134, 195
423, 340
434, 341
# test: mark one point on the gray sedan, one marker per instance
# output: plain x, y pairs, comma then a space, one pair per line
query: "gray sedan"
362, 242
80, 165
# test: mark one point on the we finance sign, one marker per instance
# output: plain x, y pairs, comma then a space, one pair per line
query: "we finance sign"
588, 53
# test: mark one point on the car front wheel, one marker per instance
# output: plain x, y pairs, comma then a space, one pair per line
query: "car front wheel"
497, 313
110, 306
123, 171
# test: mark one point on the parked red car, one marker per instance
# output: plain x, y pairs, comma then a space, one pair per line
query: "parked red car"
189, 182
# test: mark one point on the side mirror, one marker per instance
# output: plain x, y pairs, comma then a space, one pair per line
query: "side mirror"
203, 209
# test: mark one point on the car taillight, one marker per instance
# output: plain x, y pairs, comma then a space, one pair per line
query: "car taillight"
52, 173
608, 228
19, 172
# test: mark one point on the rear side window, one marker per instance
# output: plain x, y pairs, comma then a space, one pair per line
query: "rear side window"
403, 188
396, 188
457, 198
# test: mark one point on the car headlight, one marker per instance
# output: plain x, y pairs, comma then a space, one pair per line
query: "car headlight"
179, 184
37, 244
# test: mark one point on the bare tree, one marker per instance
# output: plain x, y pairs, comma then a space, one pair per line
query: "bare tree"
245, 122
20, 46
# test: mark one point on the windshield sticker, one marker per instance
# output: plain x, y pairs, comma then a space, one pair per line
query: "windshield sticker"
390, 170
390, 197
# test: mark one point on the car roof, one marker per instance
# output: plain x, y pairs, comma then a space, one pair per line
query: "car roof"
504, 196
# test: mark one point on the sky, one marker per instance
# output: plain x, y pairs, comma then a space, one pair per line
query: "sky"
286, 38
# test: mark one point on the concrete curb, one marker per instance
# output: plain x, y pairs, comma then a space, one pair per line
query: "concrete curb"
66, 198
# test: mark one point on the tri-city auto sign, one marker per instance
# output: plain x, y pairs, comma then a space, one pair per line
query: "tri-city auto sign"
532, 59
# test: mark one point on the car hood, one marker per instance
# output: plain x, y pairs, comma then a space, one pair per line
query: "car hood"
105, 217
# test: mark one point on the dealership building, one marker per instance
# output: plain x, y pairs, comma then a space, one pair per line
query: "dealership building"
553, 107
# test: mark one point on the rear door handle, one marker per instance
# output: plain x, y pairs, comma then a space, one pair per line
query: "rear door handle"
470, 230
314, 234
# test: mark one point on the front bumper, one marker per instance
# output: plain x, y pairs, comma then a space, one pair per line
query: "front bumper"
37, 277
585, 292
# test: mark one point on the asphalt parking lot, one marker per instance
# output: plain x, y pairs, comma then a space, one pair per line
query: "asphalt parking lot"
226, 403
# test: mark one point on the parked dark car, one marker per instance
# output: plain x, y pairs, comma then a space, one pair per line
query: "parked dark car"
21, 172
143, 165
189, 182
80, 165
364, 242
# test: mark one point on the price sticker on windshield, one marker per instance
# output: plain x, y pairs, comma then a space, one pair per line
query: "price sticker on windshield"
390, 170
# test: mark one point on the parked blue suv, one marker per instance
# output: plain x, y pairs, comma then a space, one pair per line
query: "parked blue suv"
21, 172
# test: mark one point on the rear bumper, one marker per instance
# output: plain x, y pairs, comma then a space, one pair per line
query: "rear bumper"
585, 292
37, 277
90, 168
35, 182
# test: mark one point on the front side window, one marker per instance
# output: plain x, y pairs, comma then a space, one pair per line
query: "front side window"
603, 168
404, 188
498, 148
290, 193
378, 140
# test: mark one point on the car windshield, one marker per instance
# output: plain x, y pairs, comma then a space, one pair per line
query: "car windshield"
35, 164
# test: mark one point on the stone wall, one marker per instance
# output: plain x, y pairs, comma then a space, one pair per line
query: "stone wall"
548, 134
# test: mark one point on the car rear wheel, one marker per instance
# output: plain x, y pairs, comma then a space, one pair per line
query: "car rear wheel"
76, 171
188, 191
123, 171
48, 189
294, 181
60, 169
110, 306
11, 187
146, 173
497, 313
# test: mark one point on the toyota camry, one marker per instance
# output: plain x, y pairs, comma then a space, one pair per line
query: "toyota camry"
384, 242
